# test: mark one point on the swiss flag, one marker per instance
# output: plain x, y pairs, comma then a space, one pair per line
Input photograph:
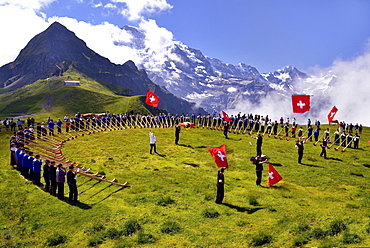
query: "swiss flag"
219, 155
301, 103
226, 117
187, 124
332, 113
151, 99
274, 176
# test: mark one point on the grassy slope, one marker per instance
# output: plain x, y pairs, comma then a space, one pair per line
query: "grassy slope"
311, 196
50, 96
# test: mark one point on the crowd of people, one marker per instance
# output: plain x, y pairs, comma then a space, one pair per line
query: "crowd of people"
31, 166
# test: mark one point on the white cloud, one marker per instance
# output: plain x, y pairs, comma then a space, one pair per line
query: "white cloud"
350, 93
27, 4
135, 9
15, 32
101, 38
158, 42
232, 89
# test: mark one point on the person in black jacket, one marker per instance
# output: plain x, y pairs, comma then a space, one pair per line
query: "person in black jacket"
53, 178
72, 184
220, 186
300, 148
46, 175
177, 134
258, 161
259, 145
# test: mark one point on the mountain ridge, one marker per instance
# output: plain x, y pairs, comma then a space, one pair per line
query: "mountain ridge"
55, 50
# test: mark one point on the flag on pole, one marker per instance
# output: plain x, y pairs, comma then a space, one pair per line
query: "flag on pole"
301, 103
151, 99
226, 117
187, 124
274, 176
219, 155
332, 113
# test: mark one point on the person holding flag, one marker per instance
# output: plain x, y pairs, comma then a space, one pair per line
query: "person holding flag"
300, 149
258, 161
220, 185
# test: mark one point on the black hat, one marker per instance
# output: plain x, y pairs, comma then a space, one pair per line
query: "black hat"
47, 161
71, 167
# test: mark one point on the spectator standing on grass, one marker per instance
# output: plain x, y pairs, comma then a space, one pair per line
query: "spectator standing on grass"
59, 126
53, 180
72, 184
300, 149
51, 126
258, 161
36, 168
177, 134
323, 147
46, 175
60, 179
19, 124
153, 141
220, 186
68, 124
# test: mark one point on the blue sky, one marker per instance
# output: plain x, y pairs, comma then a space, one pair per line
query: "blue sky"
267, 34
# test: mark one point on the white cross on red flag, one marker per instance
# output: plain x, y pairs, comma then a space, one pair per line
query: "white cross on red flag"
152, 99
219, 155
332, 113
301, 103
226, 117
274, 176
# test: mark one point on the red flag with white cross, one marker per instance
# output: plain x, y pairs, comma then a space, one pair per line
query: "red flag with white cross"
301, 103
226, 117
274, 176
332, 113
219, 155
152, 99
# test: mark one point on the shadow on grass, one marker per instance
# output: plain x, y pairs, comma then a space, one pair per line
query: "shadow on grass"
161, 155
92, 186
201, 147
103, 199
79, 205
366, 165
336, 159
110, 185
191, 164
242, 209
311, 165
185, 145
355, 174
235, 139
86, 181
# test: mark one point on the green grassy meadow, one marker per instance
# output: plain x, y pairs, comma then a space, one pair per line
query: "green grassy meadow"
171, 198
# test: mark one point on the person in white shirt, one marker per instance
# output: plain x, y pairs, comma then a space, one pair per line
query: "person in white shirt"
153, 141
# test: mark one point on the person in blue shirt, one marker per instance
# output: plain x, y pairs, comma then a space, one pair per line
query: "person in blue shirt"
24, 159
316, 133
309, 132
59, 126
51, 126
36, 167
30, 165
